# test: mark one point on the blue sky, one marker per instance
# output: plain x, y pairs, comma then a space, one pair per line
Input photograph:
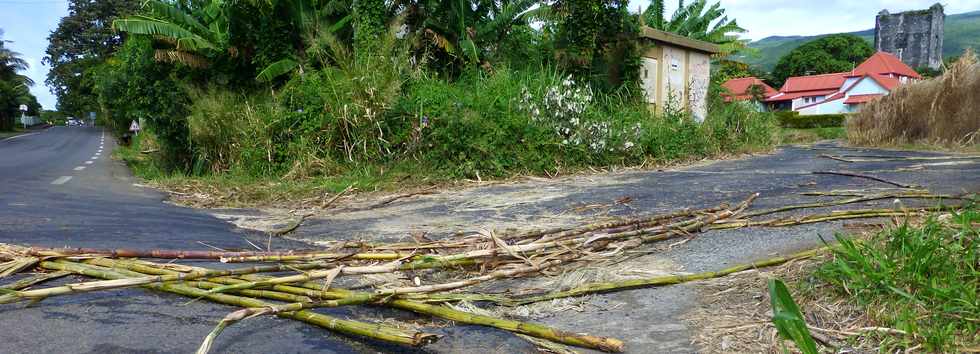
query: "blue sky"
28, 22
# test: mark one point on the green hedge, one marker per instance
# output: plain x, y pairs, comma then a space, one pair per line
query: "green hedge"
790, 119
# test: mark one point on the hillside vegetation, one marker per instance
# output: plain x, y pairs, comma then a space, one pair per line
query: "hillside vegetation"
961, 32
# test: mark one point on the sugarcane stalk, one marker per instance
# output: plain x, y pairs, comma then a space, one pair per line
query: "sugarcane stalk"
562, 232
497, 274
316, 257
347, 297
161, 254
594, 288
834, 215
247, 313
376, 331
150, 268
31, 281
606, 344
131, 282
339, 271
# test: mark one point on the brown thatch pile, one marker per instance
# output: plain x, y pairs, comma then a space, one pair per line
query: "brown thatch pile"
941, 111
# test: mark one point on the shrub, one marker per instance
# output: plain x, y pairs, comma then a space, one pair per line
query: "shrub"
789, 119
921, 279
939, 111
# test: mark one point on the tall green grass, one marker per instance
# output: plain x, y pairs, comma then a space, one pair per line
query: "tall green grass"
921, 279
354, 123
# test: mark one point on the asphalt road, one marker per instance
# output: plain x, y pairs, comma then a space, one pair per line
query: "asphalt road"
60, 187
51, 195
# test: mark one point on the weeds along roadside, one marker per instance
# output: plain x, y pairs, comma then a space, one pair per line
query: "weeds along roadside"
335, 126
911, 286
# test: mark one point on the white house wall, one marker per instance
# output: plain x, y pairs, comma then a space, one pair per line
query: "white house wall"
697, 97
674, 75
867, 86
831, 107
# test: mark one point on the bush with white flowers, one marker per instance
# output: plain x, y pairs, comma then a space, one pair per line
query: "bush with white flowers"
564, 107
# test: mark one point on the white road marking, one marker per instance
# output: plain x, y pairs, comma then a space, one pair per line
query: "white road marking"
89, 162
98, 153
96, 157
61, 180
19, 136
79, 168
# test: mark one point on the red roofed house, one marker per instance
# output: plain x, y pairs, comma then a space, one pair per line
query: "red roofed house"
843, 92
740, 89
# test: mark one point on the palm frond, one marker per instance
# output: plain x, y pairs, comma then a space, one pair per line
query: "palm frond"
186, 40
179, 18
277, 69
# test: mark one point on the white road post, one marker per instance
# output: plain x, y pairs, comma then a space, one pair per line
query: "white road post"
23, 114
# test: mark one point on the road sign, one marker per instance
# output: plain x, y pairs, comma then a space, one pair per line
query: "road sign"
134, 127
23, 108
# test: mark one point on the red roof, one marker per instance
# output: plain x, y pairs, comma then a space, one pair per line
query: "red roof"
884, 63
858, 99
786, 96
814, 82
888, 82
738, 89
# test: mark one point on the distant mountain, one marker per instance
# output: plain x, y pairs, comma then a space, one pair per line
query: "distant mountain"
962, 31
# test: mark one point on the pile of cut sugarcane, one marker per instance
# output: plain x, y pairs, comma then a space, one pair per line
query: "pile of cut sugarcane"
291, 284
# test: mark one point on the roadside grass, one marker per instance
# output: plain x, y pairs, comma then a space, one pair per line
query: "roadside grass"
295, 147
242, 190
919, 279
910, 287
810, 135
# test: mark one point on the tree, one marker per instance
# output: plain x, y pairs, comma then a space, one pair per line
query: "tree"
82, 41
456, 34
14, 87
697, 22
597, 41
829, 54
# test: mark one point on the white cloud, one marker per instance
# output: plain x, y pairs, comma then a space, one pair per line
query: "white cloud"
762, 18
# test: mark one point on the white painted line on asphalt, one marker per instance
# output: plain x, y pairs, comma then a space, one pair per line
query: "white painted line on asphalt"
94, 157
19, 136
89, 162
61, 180
79, 168
98, 153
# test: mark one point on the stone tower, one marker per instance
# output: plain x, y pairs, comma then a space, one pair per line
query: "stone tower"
915, 37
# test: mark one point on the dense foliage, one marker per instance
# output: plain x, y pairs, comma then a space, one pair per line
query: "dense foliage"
82, 41
830, 54
298, 88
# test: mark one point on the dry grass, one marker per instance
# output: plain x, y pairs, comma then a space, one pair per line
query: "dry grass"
941, 111
735, 313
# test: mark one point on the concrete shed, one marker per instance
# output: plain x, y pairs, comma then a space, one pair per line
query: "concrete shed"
675, 72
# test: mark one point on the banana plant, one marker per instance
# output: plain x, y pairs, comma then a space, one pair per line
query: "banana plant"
466, 30
699, 21
194, 30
